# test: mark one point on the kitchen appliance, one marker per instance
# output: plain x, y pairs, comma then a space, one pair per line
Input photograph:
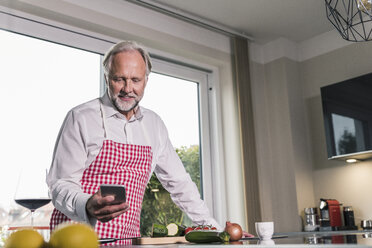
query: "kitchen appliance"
366, 224
330, 215
311, 222
349, 220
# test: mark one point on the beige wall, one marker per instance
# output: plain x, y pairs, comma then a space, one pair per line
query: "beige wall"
294, 171
282, 153
349, 184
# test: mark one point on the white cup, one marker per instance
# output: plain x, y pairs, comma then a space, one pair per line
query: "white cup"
265, 230
266, 242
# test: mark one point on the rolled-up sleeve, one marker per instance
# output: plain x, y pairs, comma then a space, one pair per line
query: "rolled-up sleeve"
69, 159
183, 191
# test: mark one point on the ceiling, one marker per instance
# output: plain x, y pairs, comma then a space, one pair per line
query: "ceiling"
263, 20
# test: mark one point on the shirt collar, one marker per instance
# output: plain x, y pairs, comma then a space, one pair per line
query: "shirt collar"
110, 110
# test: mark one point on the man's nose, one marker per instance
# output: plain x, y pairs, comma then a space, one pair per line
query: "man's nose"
128, 86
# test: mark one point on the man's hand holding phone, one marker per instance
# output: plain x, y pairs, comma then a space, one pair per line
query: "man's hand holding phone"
108, 203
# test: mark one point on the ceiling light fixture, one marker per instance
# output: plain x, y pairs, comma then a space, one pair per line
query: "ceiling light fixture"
351, 18
351, 160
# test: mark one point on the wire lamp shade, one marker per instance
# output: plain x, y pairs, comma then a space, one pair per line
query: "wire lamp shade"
351, 18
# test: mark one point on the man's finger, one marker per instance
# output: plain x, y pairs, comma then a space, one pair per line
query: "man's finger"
248, 235
105, 200
110, 209
107, 217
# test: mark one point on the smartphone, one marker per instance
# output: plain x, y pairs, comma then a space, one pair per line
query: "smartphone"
117, 190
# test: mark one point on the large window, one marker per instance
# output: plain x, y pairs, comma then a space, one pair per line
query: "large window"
42, 80
177, 103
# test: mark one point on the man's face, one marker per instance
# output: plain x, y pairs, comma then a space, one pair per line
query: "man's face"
127, 81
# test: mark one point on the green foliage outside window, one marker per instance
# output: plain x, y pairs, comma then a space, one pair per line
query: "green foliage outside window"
347, 143
157, 206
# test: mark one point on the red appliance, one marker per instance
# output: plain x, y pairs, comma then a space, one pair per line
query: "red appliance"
334, 213
330, 214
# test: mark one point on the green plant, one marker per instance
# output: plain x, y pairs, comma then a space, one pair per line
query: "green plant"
157, 206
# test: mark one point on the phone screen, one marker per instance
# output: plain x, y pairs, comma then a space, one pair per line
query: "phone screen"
118, 191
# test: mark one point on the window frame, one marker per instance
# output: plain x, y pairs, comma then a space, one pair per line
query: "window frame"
211, 138
201, 78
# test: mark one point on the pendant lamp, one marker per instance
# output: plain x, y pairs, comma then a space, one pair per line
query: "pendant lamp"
351, 18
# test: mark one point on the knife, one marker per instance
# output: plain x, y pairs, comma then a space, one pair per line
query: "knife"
257, 238
110, 240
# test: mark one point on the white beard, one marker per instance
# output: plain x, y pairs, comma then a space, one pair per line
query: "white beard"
124, 106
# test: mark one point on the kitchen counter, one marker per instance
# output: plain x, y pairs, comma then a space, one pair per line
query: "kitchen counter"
332, 239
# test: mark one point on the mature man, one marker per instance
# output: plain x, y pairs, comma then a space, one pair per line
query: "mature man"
113, 140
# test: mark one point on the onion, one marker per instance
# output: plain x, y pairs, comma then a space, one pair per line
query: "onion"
234, 230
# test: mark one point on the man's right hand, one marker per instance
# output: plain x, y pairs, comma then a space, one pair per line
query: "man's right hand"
103, 208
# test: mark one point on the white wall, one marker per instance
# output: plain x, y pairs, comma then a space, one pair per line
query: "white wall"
166, 37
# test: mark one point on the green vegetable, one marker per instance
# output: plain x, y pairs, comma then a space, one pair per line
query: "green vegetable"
224, 236
159, 230
175, 230
207, 236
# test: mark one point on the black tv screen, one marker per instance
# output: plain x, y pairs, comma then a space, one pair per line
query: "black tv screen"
347, 112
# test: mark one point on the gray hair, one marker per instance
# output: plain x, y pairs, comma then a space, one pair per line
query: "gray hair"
122, 47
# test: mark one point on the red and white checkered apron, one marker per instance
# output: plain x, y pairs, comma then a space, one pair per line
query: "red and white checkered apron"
117, 163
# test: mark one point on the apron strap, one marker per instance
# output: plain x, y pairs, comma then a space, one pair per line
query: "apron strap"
145, 133
103, 119
147, 138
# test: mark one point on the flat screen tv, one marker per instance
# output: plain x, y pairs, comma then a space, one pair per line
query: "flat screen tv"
347, 112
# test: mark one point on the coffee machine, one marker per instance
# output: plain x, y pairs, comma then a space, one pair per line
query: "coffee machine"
330, 215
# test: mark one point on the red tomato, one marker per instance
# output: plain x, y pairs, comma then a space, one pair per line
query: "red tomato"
206, 228
213, 228
189, 229
198, 228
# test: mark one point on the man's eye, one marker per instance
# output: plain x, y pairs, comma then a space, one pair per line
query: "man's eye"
136, 80
117, 79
